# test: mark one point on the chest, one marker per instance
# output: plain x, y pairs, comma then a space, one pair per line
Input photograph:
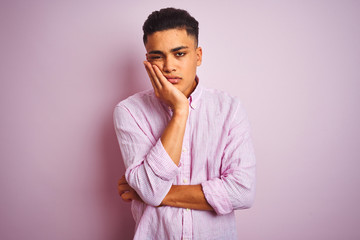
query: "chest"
203, 146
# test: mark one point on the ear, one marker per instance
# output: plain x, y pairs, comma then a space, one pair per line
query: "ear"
198, 56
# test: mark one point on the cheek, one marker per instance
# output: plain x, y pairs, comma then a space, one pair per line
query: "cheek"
157, 63
191, 63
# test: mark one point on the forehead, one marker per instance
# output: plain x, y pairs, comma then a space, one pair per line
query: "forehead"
169, 39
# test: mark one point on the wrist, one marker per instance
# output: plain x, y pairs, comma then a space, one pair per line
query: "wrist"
181, 112
181, 108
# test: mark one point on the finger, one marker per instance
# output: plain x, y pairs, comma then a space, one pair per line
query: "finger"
160, 76
127, 197
132, 195
122, 193
122, 180
124, 188
151, 80
155, 81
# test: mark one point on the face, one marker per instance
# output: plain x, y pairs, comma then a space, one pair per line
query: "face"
176, 54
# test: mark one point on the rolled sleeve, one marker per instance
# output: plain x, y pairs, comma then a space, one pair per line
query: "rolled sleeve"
235, 187
149, 169
217, 196
161, 163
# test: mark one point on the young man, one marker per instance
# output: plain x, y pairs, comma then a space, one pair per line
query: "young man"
187, 149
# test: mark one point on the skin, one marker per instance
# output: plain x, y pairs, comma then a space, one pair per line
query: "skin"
172, 59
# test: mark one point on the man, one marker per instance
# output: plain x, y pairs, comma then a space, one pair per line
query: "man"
187, 149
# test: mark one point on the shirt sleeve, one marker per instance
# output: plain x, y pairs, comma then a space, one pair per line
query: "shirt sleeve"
149, 169
235, 188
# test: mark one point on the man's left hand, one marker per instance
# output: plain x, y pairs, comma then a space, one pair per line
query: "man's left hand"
126, 192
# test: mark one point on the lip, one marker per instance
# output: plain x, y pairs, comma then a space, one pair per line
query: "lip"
173, 79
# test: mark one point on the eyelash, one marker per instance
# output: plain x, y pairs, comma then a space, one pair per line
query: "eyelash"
154, 57
178, 54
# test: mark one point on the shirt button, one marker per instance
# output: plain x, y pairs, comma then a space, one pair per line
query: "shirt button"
188, 209
184, 149
185, 180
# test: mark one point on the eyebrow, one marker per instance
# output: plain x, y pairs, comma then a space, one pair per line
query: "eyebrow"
172, 50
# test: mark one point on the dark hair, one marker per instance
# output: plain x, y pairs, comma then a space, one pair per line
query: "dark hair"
170, 18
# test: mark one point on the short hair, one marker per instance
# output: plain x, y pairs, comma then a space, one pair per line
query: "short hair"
170, 18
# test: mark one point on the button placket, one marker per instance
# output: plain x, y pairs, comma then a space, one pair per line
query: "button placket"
185, 179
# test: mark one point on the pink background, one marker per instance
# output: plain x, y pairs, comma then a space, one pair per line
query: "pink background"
294, 64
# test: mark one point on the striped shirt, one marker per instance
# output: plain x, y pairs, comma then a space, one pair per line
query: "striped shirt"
217, 153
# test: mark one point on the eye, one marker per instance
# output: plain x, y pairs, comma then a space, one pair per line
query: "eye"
154, 57
180, 54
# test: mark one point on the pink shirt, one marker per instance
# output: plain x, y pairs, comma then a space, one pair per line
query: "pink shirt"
217, 153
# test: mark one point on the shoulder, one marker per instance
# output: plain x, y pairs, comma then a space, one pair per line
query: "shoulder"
140, 99
140, 103
137, 105
221, 99
227, 108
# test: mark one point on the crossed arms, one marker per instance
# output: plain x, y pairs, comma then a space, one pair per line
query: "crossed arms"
184, 196
160, 164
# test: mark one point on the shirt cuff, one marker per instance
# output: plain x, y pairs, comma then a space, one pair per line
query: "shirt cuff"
217, 196
161, 163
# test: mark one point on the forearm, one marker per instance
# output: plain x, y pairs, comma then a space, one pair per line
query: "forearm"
172, 137
187, 196
145, 181
150, 169
153, 188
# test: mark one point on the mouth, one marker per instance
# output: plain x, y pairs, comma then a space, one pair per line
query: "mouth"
173, 79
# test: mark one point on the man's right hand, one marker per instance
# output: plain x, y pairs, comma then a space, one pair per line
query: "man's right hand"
173, 135
165, 90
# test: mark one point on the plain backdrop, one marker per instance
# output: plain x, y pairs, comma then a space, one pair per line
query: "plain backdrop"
64, 65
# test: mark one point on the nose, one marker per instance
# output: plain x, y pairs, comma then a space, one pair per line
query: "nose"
169, 65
